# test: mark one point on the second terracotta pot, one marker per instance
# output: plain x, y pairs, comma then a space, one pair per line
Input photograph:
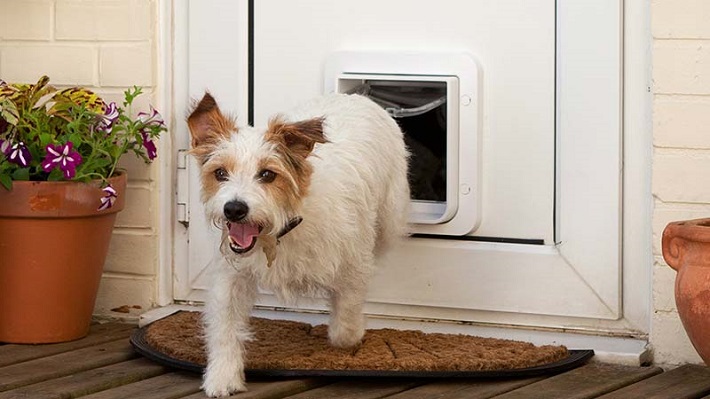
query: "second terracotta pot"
686, 248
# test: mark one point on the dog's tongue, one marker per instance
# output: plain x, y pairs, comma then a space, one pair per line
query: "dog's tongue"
243, 233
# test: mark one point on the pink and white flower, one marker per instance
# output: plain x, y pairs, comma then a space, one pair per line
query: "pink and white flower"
63, 157
109, 118
150, 120
109, 197
19, 154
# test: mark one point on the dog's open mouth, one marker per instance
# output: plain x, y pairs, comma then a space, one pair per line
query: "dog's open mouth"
242, 236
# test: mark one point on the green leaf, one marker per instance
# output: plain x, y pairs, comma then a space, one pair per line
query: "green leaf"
55, 175
6, 181
44, 139
130, 95
21, 174
76, 139
102, 163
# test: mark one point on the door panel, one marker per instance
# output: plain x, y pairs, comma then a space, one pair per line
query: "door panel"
512, 40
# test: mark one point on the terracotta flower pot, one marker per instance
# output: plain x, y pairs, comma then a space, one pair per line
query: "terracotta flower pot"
53, 243
686, 248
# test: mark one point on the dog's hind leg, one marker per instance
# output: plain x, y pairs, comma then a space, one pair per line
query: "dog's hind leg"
347, 323
226, 322
393, 212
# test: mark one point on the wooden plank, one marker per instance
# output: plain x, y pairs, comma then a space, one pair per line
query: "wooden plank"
55, 366
461, 389
588, 381
685, 382
99, 333
358, 389
271, 390
166, 386
88, 381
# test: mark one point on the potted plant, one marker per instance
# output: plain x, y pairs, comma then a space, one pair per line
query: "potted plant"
60, 192
686, 248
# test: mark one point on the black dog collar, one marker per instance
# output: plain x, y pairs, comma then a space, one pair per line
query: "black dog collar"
290, 226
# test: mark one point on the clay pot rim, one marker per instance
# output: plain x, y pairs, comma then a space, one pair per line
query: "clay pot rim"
694, 230
60, 199
117, 175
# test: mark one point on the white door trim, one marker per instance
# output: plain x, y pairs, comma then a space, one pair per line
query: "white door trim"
588, 231
166, 228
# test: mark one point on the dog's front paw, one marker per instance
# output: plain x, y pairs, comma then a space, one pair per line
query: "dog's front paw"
223, 380
346, 335
218, 389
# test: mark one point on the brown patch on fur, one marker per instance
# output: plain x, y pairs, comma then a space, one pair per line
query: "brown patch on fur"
291, 183
294, 143
298, 137
210, 184
208, 126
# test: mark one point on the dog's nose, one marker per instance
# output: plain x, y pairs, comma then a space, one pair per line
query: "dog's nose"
235, 211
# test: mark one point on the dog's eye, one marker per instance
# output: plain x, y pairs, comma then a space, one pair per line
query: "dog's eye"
221, 175
267, 176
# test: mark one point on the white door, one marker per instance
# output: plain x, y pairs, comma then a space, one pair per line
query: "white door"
548, 249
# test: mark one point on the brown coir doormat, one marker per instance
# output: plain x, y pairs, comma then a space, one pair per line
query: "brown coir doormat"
290, 348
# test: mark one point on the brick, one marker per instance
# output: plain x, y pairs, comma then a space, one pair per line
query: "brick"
126, 66
680, 19
132, 253
663, 288
681, 121
137, 169
680, 176
138, 212
126, 20
25, 20
666, 213
681, 66
65, 65
116, 291
670, 342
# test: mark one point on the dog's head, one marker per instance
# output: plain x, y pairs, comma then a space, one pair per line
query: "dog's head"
253, 180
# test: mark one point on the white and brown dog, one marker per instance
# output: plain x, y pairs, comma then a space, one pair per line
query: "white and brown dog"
329, 182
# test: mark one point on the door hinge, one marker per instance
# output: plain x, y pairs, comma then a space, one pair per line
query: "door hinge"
183, 188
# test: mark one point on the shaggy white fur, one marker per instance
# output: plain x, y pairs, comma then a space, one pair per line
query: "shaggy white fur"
353, 200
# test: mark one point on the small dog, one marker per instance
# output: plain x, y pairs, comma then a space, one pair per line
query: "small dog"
304, 205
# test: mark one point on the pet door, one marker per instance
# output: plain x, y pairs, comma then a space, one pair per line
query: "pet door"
433, 98
421, 108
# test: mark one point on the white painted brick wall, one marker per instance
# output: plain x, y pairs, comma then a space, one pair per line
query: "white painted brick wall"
681, 164
681, 175
123, 20
682, 121
681, 19
681, 66
64, 64
26, 20
130, 252
107, 45
126, 65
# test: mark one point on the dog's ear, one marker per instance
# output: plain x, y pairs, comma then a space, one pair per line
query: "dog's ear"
207, 123
299, 137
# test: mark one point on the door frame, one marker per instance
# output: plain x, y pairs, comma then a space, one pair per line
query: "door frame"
636, 206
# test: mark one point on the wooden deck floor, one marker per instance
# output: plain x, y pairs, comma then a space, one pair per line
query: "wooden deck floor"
103, 365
